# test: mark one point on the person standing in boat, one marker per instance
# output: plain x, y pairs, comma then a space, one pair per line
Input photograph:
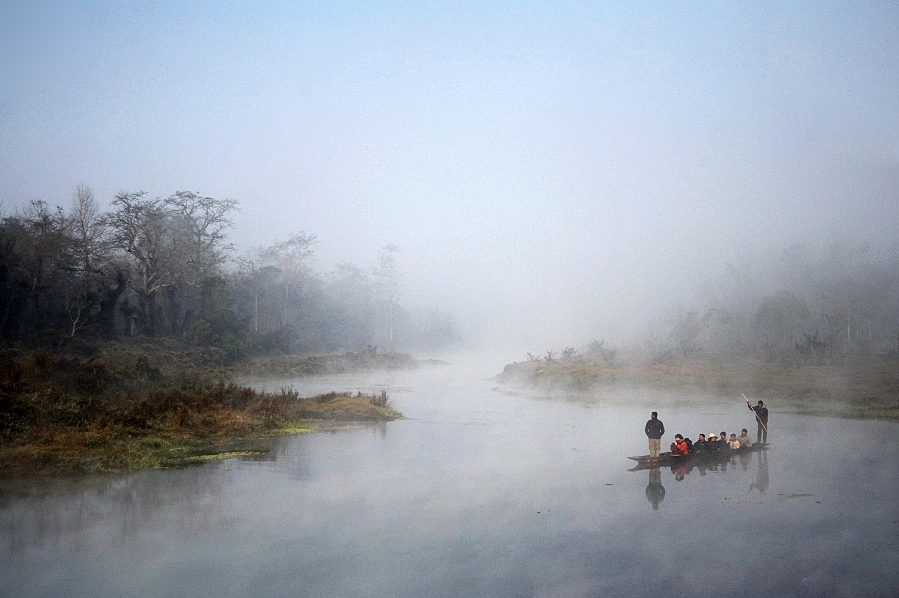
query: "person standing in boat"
654, 429
761, 417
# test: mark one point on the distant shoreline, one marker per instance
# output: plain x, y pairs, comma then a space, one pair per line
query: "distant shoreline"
859, 388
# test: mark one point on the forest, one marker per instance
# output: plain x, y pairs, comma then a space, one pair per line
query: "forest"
164, 268
811, 304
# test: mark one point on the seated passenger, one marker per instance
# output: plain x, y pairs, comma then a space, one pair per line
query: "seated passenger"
745, 440
734, 443
679, 446
723, 444
712, 446
700, 445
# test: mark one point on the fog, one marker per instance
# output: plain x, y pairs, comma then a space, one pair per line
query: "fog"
552, 174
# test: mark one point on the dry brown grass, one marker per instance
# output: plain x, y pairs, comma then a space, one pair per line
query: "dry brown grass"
112, 413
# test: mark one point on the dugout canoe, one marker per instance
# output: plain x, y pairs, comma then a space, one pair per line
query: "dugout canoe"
667, 459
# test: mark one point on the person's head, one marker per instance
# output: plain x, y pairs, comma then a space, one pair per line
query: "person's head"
761, 403
713, 436
678, 437
723, 436
654, 415
744, 432
702, 436
733, 436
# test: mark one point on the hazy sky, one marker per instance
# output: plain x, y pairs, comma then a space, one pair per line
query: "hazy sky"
563, 168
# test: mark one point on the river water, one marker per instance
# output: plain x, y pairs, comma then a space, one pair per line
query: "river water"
483, 491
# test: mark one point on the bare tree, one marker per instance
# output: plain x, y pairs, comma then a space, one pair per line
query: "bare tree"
173, 242
88, 230
290, 258
139, 228
387, 287
90, 257
44, 254
200, 239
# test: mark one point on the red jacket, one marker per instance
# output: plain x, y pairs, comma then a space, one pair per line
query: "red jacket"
679, 448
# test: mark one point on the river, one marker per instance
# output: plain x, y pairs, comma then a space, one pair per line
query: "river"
483, 491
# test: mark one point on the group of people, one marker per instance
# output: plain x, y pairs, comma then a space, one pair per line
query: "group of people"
714, 444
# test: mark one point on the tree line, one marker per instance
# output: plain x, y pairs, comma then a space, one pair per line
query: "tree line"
815, 304
163, 267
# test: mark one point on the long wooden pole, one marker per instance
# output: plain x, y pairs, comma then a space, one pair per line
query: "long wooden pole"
756, 413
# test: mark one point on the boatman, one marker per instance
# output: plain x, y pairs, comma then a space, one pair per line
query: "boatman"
654, 429
761, 417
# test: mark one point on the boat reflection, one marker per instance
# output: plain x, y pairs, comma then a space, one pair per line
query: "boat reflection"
740, 461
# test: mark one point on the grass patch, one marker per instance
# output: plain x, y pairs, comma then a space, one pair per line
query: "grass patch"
69, 415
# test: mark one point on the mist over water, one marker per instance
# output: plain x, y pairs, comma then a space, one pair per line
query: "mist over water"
483, 490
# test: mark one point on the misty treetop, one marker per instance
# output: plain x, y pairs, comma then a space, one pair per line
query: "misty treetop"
160, 267
841, 299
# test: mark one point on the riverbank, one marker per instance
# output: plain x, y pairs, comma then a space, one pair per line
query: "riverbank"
860, 387
128, 410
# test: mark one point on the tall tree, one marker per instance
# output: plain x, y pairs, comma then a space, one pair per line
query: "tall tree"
200, 232
387, 286
140, 229
44, 255
173, 244
290, 257
90, 258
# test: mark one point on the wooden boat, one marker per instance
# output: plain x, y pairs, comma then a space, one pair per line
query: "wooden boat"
668, 459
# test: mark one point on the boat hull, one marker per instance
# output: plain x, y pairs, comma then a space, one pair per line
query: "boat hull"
667, 459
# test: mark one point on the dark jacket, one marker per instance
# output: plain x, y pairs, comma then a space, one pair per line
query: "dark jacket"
654, 428
762, 412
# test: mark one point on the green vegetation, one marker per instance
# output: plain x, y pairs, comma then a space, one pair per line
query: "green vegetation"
860, 387
119, 411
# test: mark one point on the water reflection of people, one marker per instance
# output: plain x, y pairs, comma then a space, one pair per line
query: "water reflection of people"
655, 492
761, 478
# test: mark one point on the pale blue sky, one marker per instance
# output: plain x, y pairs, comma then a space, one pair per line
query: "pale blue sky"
571, 165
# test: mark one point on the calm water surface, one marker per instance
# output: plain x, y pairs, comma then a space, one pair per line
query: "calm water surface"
481, 492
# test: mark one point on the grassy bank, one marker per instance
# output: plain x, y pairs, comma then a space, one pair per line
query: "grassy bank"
284, 366
119, 411
857, 387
